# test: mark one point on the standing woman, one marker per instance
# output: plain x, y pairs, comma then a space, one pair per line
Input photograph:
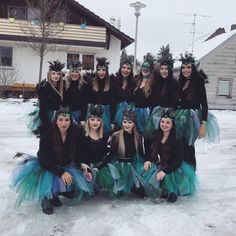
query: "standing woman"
142, 95
165, 89
166, 174
50, 97
56, 170
101, 90
124, 164
76, 93
92, 143
193, 110
124, 89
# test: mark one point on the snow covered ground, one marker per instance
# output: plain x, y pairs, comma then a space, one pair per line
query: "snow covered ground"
212, 211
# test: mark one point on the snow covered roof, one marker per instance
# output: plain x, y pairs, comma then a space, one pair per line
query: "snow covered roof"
204, 48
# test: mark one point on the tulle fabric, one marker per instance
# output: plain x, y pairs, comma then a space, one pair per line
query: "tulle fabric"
142, 115
33, 183
188, 125
182, 181
121, 177
34, 121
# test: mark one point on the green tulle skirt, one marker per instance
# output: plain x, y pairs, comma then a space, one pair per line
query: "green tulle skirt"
188, 125
121, 177
181, 182
34, 121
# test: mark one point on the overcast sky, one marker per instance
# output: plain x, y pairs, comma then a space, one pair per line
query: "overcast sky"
167, 21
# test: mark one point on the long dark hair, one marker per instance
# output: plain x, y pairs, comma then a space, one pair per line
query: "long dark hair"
167, 148
57, 144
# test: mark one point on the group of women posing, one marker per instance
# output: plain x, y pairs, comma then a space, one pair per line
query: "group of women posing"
156, 120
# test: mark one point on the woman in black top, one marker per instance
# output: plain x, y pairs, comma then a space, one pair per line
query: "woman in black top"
125, 160
102, 91
50, 97
142, 95
56, 170
76, 90
92, 143
165, 89
198, 122
166, 173
124, 90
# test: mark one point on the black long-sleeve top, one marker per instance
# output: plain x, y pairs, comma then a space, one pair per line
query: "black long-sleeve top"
49, 99
130, 150
46, 157
103, 97
194, 97
174, 160
124, 95
92, 151
165, 93
140, 100
75, 98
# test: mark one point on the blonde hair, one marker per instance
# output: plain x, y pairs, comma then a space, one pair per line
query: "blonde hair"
99, 131
121, 147
148, 85
80, 79
60, 84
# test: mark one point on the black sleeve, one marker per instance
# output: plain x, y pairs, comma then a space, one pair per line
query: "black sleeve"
147, 149
113, 99
111, 151
176, 158
203, 101
174, 95
84, 103
43, 109
45, 154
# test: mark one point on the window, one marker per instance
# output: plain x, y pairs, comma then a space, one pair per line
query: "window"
34, 14
88, 62
72, 58
19, 13
5, 56
224, 87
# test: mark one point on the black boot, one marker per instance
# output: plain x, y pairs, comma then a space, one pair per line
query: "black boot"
47, 206
68, 194
172, 197
56, 202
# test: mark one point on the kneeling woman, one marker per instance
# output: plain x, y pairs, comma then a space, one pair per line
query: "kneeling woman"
124, 163
166, 174
53, 172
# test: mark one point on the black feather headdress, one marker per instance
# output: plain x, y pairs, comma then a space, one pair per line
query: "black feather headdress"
102, 62
56, 65
187, 58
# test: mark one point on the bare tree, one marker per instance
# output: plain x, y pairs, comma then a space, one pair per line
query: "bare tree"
42, 30
7, 77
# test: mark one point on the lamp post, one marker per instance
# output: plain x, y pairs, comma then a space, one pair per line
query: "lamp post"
137, 7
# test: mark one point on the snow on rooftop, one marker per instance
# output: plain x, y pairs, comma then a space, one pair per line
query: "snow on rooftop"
203, 48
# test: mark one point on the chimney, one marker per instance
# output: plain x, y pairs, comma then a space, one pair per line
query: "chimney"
233, 27
216, 33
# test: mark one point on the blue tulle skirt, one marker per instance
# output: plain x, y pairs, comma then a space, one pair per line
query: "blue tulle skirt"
121, 177
106, 117
188, 125
76, 115
121, 107
142, 115
33, 183
34, 121
181, 182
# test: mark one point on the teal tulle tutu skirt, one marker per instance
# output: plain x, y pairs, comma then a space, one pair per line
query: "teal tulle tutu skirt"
121, 107
188, 125
34, 121
33, 183
142, 115
181, 182
121, 177
106, 117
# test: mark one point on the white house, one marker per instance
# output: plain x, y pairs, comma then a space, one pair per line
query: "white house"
83, 37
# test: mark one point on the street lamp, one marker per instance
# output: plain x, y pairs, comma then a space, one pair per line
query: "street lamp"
137, 6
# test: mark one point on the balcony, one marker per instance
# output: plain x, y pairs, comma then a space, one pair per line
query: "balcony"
66, 34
